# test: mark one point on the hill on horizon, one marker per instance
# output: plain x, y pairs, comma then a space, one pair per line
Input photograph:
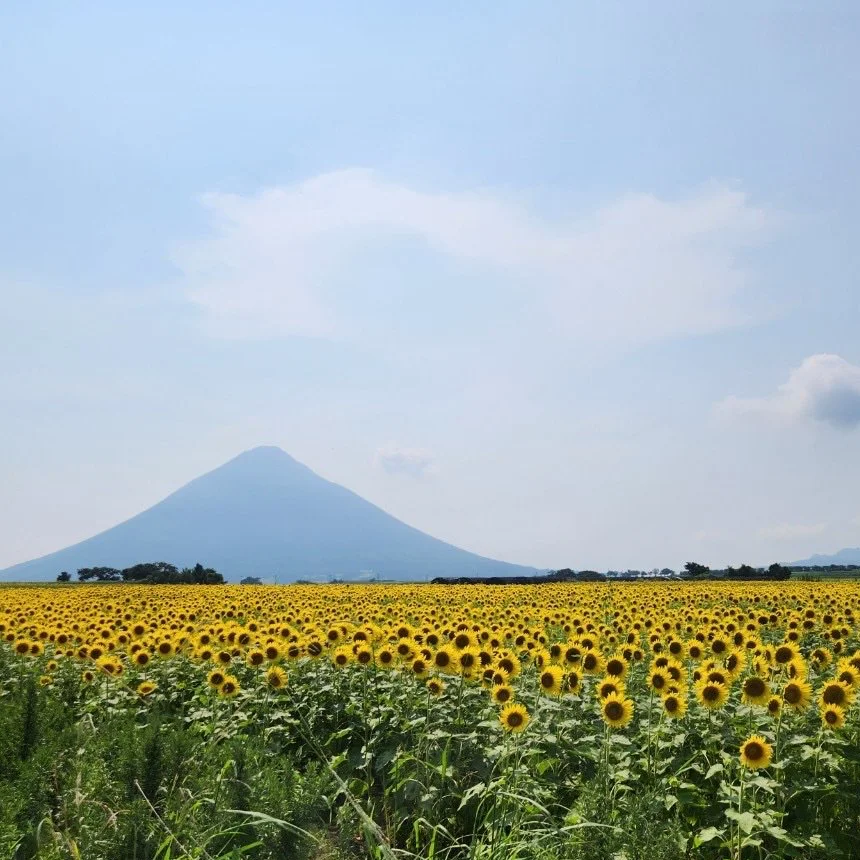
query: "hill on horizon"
849, 555
265, 514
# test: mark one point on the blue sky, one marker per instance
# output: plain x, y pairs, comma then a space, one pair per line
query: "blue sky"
565, 284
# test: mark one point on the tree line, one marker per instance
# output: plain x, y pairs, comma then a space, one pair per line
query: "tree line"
775, 572
150, 573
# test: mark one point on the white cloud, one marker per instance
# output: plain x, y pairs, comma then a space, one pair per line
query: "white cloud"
638, 269
824, 388
787, 531
415, 462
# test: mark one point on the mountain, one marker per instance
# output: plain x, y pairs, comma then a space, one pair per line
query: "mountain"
265, 514
844, 556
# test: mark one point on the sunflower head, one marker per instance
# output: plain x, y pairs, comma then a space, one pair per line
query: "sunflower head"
616, 711
550, 680
514, 717
796, 694
755, 690
502, 694
755, 752
712, 695
832, 717
276, 677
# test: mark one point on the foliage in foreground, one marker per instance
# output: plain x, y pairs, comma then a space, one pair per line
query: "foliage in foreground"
154, 723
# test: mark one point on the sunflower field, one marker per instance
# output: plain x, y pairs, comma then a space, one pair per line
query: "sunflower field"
641, 720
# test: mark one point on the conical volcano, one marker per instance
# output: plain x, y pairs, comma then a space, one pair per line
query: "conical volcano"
265, 514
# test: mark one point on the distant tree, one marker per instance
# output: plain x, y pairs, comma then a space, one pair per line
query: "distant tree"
65, 576
251, 580
695, 569
667, 571
151, 571
199, 575
778, 571
99, 574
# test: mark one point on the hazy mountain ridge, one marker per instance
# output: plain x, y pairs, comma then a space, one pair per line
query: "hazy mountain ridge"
265, 514
849, 555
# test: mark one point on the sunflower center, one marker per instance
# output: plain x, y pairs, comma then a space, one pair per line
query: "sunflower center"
754, 751
515, 719
754, 686
833, 695
614, 710
792, 694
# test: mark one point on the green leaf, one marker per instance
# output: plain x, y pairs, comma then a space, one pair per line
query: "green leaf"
707, 835
714, 768
746, 820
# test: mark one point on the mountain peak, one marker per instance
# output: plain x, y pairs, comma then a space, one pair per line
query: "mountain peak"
265, 514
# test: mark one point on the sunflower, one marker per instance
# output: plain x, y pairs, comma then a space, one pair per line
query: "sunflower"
832, 717
514, 717
272, 652
509, 663
276, 677
848, 674
215, 678
675, 705
755, 752
609, 685
797, 694
774, 706
45, 681
592, 662
616, 711
712, 695
755, 691
735, 662
255, 657
550, 680
419, 667
837, 693
363, 655
229, 688
502, 694
145, 688
443, 659
165, 648
658, 680
573, 682
616, 665
343, 656
467, 660
435, 686
463, 640
785, 653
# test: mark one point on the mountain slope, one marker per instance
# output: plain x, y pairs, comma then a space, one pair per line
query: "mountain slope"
265, 514
849, 555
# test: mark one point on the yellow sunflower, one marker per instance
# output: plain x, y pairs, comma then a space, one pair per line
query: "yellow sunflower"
755, 752
616, 711
550, 680
755, 691
797, 694
832, 717
712, 695
514, 717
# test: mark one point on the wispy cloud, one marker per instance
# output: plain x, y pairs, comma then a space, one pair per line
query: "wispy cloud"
824, 388
638, 269
414, 462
